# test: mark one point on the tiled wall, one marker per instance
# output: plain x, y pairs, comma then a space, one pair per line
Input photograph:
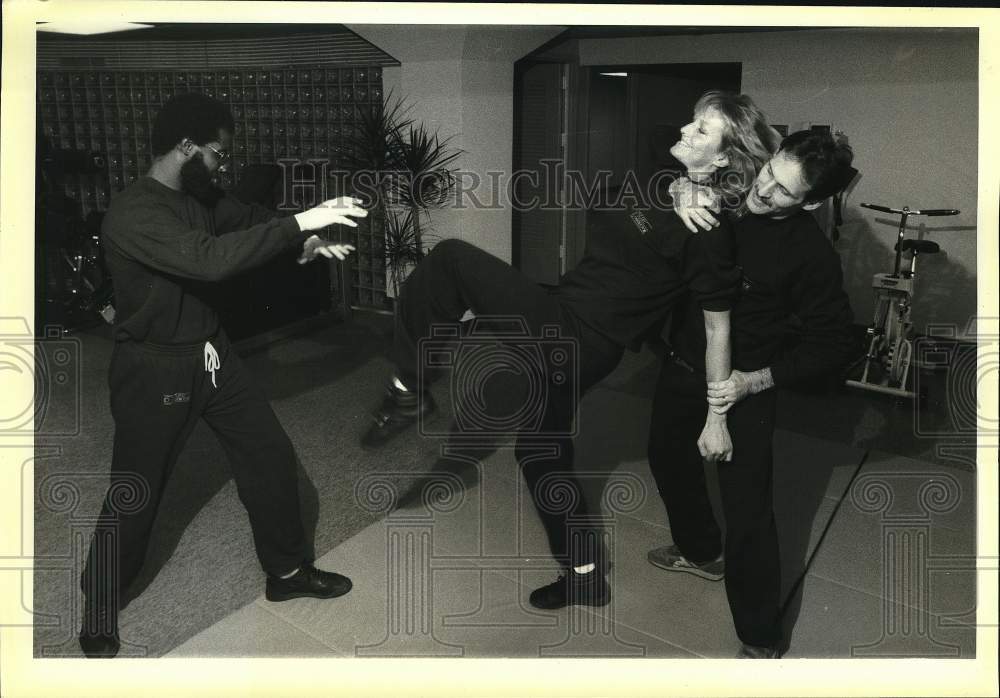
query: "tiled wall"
305, 112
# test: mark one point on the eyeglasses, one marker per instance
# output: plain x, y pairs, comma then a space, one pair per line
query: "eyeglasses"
221, 154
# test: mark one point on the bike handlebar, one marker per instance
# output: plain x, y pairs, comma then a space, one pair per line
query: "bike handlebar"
914, 212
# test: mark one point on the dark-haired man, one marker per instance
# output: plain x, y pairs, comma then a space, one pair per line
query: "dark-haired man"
791, 276
168, 236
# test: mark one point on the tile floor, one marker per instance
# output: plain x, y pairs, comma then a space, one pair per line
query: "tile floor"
878, 560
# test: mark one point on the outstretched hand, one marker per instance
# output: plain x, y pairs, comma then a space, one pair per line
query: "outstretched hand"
315, 246
338, 211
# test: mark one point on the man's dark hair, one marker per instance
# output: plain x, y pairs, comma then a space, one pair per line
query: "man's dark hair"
825, 160
192, 115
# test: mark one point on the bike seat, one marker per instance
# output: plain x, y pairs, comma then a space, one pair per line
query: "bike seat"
919, 246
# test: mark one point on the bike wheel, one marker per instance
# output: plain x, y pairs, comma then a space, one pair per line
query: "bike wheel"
898, 356
880, 349
901, 367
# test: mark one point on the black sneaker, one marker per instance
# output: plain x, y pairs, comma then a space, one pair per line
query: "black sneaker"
399, 410
307, 582
755, 652
587, 589
99, 632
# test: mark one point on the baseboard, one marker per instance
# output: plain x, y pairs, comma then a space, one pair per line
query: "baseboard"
369, 309
249, 345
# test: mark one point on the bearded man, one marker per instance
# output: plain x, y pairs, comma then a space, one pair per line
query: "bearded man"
167, 237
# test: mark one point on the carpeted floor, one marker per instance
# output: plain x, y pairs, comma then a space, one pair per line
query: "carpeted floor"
201, 563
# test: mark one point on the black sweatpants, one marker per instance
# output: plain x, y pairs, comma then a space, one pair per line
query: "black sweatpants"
753, 573
157, 397
455, 277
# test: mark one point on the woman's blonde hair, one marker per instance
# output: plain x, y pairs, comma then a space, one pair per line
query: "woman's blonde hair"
747, 140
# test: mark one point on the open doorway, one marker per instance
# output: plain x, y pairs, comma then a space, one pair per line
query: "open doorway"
636, 113
617, 119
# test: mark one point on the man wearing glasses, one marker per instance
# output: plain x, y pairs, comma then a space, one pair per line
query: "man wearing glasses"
168, 236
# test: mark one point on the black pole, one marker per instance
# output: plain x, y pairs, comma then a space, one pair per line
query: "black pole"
899, 241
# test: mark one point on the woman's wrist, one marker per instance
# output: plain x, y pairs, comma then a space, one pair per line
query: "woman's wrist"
714, 417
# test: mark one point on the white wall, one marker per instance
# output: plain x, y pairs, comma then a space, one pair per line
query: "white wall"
460, 79
908, 101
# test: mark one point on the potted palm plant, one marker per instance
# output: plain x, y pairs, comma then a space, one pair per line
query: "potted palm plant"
425, 181
407, 169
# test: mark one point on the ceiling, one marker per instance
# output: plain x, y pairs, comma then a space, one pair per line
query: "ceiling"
202, 31
609, 32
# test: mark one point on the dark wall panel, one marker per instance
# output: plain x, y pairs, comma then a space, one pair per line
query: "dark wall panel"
290, 113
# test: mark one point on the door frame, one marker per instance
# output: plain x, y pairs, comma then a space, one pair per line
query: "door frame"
567, 142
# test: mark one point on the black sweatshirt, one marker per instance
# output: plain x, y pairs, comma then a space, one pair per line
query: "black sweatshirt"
162, 249
636, 266
791, 314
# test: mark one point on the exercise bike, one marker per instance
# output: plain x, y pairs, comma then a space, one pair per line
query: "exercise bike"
87, 289
890, 350
73, 288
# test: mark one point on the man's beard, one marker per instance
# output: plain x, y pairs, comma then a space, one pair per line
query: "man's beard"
196, 180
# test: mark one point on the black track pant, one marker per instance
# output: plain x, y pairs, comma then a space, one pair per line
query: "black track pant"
157, 397
456, 277
753, 574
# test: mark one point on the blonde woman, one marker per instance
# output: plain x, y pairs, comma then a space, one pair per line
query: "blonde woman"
636, 266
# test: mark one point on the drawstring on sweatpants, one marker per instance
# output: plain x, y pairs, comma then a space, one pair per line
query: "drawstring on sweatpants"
211, 361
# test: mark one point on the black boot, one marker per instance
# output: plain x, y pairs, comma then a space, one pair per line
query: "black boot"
99, 632
399, 410
586, 589
307, 582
